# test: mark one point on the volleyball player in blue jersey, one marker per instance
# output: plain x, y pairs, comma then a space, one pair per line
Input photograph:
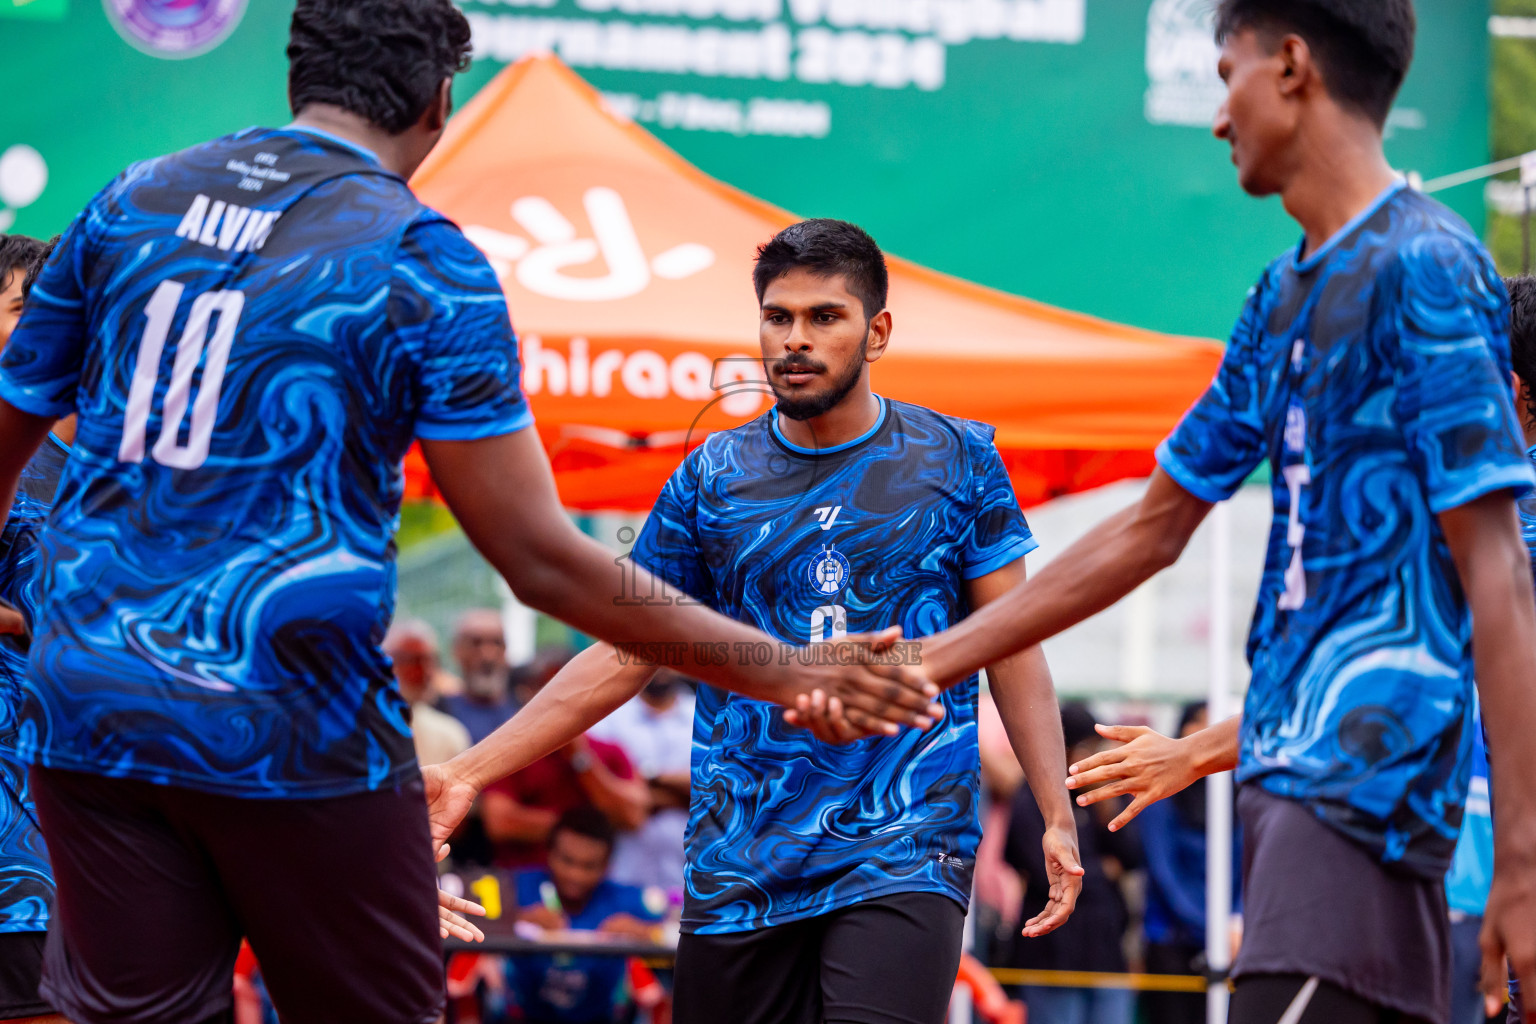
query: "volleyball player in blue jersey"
825, 882
1370, 370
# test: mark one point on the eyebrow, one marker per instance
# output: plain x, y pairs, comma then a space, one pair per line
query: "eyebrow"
824, 307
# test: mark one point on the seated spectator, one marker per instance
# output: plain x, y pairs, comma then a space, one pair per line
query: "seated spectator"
1173, 839
480, 649
519, 811
1093, 940
574, 893
656, 731
412, 646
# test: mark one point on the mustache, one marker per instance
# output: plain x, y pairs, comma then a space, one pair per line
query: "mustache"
798, 364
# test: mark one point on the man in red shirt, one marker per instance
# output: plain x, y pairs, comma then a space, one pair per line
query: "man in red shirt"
520, 810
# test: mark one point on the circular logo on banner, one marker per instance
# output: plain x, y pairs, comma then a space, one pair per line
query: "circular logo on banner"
828, 571
174, 28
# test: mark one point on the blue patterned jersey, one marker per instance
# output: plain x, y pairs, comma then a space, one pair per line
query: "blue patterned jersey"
26, 879
252, 332
1374, 376
806, 546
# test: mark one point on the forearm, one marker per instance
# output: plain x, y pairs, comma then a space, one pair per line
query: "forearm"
1026, 699
589, 688
1492, 562
1111, 561
20, 435
1215, 749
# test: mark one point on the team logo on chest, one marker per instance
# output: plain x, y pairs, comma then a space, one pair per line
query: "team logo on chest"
828, 571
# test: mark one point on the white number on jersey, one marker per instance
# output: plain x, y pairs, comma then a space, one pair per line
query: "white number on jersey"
1297, 477
160, 312
833, 615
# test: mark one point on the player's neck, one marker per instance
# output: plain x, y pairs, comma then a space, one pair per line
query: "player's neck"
847, 421
391, 150
1341, 171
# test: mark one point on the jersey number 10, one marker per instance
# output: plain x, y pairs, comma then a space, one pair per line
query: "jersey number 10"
160, 312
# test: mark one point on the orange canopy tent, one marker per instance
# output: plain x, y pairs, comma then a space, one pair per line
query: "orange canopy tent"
628, 272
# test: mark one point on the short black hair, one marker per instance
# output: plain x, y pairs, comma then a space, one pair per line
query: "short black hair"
16, 254
36, 266
380, 59
827, 248
1077, 723
1364, 47
585, 821
1522, 338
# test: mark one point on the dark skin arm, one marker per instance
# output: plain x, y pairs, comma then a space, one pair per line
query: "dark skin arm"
1026, 700
20, 435
1491, 559
1114, 559
502, 492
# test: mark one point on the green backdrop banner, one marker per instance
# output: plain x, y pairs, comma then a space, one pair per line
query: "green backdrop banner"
1058, 149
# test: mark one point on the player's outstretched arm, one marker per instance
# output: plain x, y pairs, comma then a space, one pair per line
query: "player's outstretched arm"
1149, 766
589, 688
1026, 700
1491, 559
1114, 558
503, 494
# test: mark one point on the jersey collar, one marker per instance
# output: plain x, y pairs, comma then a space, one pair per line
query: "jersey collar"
1311, 262
361, 151
778, 435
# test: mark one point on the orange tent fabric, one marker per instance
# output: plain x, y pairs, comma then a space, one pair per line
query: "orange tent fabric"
628, 272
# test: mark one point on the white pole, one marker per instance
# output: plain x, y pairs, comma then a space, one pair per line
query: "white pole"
1218, 788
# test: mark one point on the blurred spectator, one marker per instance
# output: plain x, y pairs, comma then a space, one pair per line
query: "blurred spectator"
519, 811
412, 646
573, 892
1173, 839
656, 731
480, 649
1093, 940
1466, 889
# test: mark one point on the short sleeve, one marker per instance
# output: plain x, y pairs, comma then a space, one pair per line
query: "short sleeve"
1221, 440
528, 894
668, 545
40, 366
447, 309
1454, 401
997, 534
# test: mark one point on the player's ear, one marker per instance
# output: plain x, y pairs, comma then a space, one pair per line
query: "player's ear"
1297, 68
879, 335
439, 109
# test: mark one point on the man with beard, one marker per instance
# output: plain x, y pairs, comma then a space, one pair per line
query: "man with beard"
480, 649
824, 883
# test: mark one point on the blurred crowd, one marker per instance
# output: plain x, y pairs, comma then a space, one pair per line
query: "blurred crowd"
591, 838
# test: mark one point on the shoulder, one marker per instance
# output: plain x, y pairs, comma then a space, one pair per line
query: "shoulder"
924, 425
1428, 241
722, 450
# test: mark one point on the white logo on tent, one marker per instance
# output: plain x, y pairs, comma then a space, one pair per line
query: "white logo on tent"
541, 266
1184, 87
23, 176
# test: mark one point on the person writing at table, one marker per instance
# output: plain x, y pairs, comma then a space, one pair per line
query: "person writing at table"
573, 893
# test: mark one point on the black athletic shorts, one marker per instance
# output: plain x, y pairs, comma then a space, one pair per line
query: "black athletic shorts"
21, 964
1316, 903
158, 884
1299, 999
891, 960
